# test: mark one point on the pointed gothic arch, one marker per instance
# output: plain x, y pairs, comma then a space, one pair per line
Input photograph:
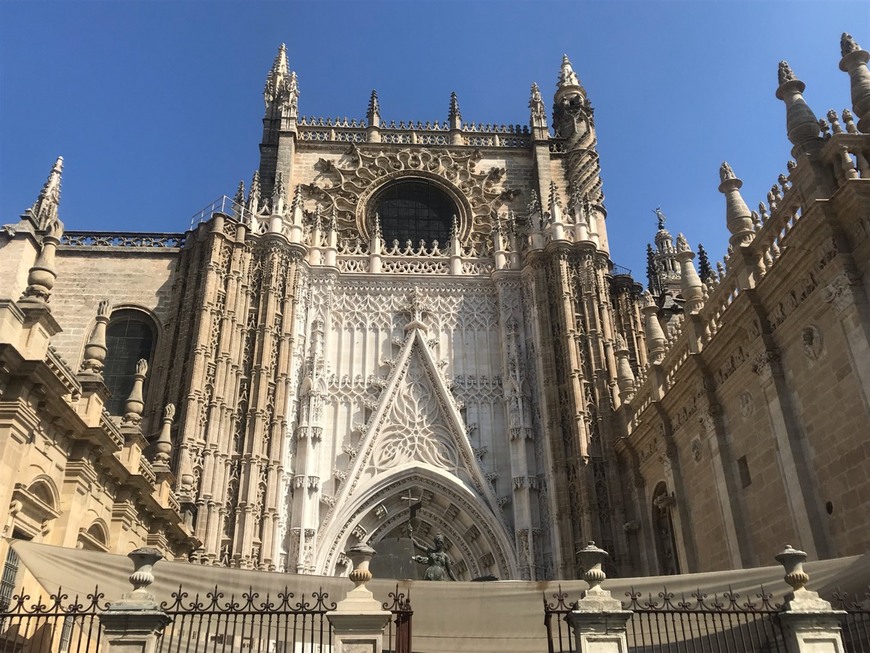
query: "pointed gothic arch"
478, 538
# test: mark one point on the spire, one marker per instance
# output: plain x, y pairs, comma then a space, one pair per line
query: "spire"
373, 115
554, 204
737, 215
278, 195
44, 209
281, 90
652, 274
801, 124
567, 76
454, 116
854, 62
239, 197
95, 350
705, 270
254, 195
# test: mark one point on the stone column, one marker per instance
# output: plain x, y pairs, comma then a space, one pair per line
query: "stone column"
809, 623
358, 621
599, 619
135, 623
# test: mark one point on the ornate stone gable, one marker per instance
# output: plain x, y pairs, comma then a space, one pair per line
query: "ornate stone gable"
416, 422
347, 186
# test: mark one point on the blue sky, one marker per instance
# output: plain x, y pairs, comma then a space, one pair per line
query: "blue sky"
156, 106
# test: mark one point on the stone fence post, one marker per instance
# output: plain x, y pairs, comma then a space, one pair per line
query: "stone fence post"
809, 624
135, 623
358, 620
599, 620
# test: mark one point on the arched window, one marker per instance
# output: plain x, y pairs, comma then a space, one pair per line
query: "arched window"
415, 210
131, 335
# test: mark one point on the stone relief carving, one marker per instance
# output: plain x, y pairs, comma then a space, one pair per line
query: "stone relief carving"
811, 338
747, 404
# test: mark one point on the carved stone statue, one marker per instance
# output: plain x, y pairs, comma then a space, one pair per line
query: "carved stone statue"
437, 560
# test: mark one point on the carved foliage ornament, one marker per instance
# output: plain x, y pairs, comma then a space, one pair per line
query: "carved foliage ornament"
349, 184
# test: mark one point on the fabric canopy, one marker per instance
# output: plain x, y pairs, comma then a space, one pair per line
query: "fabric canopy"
448, 617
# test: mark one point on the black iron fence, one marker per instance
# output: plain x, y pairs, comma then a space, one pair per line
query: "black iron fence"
693, 624
213, 623
398, 632
856, 625
255, 623
58, 624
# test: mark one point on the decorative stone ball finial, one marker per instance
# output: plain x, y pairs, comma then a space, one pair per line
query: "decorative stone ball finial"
793, 560
591, 558
144, 560
134, 404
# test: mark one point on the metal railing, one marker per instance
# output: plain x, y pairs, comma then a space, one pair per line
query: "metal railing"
695, 624
254, 623
856, 624
398, 631
60, 624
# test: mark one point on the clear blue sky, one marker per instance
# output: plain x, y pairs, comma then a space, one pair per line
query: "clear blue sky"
156, 106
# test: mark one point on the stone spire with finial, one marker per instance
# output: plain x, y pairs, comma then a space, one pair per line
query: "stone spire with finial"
254, 194
624, 374
373, 115
281, 92
705, 270
454, 115
854, 62
801, 123
44, 209
737, 215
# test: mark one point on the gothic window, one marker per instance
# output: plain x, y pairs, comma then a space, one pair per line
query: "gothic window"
415, 210
663, 530
131, 335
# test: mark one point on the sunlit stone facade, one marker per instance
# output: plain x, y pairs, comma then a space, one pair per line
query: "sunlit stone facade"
431, 311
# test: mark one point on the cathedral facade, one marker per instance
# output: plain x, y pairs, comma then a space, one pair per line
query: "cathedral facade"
428, 314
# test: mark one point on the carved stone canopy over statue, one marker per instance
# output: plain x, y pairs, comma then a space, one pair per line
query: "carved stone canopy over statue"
437, 560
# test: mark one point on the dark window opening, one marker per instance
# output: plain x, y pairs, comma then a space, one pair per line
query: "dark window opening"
129, 337
415, 210
743, 469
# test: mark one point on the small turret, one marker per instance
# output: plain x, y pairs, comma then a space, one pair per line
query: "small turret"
664, 262
569, 100
854, 62
737, 214
801, 123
